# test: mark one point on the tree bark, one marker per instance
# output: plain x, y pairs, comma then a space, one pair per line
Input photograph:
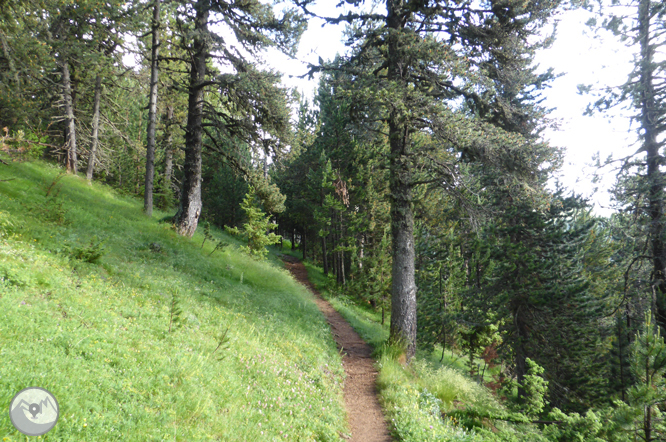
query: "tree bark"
649, 123
95, 128
360, 254
187, 217
152, 113
168, 149
343, 279
521, 353
303, 242
334, 254
323, 254
403, 287
70, 138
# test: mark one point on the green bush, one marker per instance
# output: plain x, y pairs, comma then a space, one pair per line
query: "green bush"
90, 253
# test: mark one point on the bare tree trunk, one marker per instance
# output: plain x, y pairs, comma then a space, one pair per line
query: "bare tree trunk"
168, 149
70, 139
521, 352
95, 128
334, 254
187, 217
403, 288
343, 280
323, 254
152, 113
649, 123
303, 243
360, 254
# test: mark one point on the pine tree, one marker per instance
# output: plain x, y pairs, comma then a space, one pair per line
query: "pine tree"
410, 63
640, 187
152, 110
257, 229
247, 104
641, 415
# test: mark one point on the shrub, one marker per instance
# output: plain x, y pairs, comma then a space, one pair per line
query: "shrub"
90, 253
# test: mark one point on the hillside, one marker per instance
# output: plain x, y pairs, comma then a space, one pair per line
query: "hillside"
138, 331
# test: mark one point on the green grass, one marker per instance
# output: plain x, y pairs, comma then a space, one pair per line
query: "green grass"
96, 334
425, 400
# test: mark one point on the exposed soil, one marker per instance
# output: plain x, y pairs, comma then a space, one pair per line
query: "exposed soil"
363, 410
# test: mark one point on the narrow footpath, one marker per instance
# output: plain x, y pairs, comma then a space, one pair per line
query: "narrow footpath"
363, 410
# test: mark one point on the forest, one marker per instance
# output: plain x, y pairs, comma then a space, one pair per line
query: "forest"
417, 178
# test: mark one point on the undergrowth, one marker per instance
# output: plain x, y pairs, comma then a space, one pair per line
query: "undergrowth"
149, 336
427, 400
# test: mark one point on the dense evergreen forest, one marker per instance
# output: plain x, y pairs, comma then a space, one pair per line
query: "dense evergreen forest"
418, 175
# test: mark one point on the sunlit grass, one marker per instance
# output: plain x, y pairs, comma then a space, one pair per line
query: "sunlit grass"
96, 334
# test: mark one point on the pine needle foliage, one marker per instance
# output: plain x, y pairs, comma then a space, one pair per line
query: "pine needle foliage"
257, 229
642, 414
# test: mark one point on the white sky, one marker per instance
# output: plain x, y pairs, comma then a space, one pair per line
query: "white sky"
576, 54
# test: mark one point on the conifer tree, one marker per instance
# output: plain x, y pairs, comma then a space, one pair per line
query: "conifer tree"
410, 62
247, 102
152, 110
642, 413
257, 229
640, 186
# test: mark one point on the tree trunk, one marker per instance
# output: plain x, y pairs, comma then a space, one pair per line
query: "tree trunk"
403, 287
152, 113
649, 122
95, 128
323, 255
521, 353
360, 254
70, 138
343, 279
303, 243
168, 149
334, 254
187, 217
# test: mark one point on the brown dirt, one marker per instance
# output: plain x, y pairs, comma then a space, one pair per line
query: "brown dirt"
363, 410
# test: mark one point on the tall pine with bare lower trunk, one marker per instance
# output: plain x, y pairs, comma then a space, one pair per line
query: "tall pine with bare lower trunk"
152, 111
640, 187
244, 105
414, 64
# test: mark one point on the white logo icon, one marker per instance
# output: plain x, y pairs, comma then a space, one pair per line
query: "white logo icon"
34, 411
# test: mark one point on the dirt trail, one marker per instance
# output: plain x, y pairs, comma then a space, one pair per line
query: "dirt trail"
363, 410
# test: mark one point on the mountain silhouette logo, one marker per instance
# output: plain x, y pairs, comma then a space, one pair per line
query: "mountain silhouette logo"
34, 411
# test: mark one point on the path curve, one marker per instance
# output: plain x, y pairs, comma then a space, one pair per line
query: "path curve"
363, 410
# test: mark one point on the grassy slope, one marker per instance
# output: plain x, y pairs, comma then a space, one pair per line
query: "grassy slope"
96, 335
416, 397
